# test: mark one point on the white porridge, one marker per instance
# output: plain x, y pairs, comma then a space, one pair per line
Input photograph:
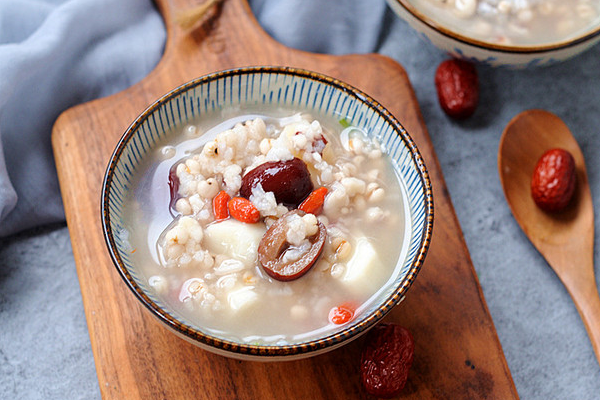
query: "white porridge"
268, 230
514, 22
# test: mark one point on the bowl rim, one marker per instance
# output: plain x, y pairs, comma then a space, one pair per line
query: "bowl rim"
522, 49
275, 351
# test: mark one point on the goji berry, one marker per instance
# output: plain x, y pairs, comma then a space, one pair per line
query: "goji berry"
341, 314
220, 209
243, 210
313, 204
386, 360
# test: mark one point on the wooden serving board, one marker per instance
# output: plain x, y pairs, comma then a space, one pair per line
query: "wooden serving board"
458, 354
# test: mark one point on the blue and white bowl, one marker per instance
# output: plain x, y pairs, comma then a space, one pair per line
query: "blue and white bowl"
271, 88
462, 45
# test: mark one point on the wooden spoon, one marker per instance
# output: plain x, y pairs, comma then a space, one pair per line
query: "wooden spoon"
565, 239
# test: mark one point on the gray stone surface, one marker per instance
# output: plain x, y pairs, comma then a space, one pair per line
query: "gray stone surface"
45, 350
44, 347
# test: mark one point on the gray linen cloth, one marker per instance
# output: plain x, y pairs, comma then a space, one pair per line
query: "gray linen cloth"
54, 55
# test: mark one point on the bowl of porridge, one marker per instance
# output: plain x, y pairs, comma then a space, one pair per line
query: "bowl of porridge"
267, 212
510, 33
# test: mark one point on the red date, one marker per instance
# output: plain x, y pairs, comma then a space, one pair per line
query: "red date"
273, 246
288, 180
553, 180
386, 360
457, 87
173, 186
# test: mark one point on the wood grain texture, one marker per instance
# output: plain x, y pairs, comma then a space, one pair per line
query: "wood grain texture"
458, 355
565, 239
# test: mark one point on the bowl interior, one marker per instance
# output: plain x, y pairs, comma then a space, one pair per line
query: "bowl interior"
243, 91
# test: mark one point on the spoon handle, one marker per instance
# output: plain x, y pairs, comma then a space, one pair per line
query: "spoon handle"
581, 285
589, 310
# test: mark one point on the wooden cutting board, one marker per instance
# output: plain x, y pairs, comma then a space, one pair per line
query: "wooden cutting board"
457, 356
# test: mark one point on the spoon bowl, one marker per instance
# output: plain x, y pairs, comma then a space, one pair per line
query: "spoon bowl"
565, 239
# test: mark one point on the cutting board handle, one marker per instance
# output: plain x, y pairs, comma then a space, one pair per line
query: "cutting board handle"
227, 33
236, 14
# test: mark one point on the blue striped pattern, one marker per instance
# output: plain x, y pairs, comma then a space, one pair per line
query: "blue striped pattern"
270, 87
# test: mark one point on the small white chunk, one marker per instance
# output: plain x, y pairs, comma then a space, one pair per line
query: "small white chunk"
354, 186
159, 283
234, 239
358, 268
465, 8
299, 312
242, 298
229, 266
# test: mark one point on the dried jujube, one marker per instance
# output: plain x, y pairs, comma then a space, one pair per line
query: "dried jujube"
272, 248
553, 180
386, 360
288, 180
457, 86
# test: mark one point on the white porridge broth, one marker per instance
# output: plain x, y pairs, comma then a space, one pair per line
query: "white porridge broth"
514, 22
215, 269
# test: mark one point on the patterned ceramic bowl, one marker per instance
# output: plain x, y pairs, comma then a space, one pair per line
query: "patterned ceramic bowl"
269, 88
462, 44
